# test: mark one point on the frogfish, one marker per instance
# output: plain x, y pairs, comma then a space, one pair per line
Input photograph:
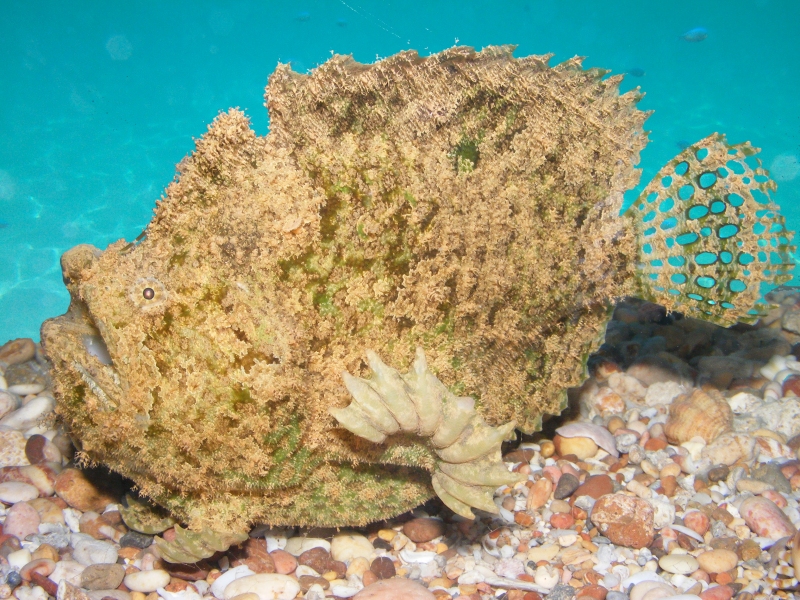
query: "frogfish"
335, 322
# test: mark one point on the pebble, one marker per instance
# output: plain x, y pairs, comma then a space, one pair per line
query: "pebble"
624, 520
539, 493
17, 351
21, 521
88, 551
682, 564
284, 562
134, 539
424, 529
12, 492
383, 567
148, 581
30, 414
102, 576
8, 402
765, 519
393, 589
297, 545
267, 586
12, 448
346, 547
718, 561
75, 489
566, 485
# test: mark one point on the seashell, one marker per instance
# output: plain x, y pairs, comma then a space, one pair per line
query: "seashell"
599, 435
776, 363
704, 413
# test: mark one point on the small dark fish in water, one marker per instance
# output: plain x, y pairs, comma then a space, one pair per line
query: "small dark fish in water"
303, 15
341, 22
683, 144
636, 72
698, 34
3, 224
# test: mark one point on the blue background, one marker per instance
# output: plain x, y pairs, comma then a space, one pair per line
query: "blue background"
99, 101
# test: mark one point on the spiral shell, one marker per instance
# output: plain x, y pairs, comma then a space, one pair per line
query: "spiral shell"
704, 413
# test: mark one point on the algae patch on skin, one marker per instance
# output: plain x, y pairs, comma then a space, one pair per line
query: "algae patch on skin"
466, 204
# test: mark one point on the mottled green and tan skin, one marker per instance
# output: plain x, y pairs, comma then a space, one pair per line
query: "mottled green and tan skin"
466, 204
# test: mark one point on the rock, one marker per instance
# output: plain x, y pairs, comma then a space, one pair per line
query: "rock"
592, 591
30, 414
654, 590
383, 567
253, 553
102, 576
39, 449
582, 447
8, 402
75, 489
92, 552
134, 539
12, 448
625, 520
752, 485
718, 561
663, 393
681, 564
98, 526
41, 476
697, 521
267, 586
660, 368
423, 530
719, 473
284, 562
21, 521
545, 552
718, 592
317, 558
17, 351
70, 591
346, 547
147, 581
539, 493
594, 486
728, 448
297, 545
607, 402
561, 592
12, 492
764, 518
567, 484
770, 473
393, 589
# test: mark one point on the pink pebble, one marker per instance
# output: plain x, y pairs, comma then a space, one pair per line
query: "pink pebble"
764, 518
718, 592
568, 468
776, 497
552, 473
645, 438
285, 563
562, 520
21, 520
697, 522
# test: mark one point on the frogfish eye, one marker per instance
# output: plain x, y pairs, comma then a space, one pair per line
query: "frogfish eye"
148, 293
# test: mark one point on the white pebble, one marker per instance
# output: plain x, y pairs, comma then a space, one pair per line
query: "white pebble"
546, 576
29, 415
268, 586
146, 581
297, 545
12, 492
26, 389
681, 564
8, 403
93, 552
305, 571
221, 582
19, 558
346, 547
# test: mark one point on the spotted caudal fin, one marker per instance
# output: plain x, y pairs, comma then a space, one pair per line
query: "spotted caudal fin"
710, 238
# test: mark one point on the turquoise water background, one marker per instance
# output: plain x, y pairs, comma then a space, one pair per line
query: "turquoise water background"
99, 101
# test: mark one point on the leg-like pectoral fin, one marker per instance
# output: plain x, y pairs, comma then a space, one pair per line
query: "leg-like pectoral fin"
473, 495
482, 472
354, 421
471, 467
192, 546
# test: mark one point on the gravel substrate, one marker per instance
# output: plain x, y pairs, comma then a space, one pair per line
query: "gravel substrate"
673, 475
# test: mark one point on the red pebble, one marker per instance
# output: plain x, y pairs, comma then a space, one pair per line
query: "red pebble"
718, 592
552, 473
562, 520
593, 592
776, 497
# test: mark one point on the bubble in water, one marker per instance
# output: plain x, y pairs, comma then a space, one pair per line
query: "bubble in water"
7, 186
119, 47
785, 167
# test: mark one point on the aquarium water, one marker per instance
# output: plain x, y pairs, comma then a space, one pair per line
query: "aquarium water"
99, 101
